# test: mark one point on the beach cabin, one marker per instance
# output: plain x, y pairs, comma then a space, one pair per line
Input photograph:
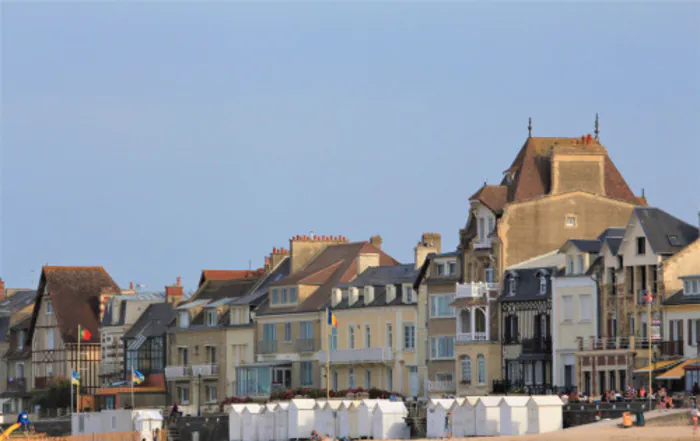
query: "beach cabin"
488, 415
388, 420
146, 421
347, 419
235, 426
364, 418
463, 417
301, 418
329, 418
319, 417
266, 422
437, 413
281, 421
514, 418
250, 420
143, 421
545, 414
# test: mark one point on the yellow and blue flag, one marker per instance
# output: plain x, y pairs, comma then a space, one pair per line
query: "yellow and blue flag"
331, 319
137, 378
75, 378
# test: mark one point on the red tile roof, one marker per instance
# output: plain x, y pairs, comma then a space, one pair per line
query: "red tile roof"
229, 274
495, 197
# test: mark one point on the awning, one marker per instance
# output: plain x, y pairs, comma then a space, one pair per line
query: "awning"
136, 390
659, 365
677, 372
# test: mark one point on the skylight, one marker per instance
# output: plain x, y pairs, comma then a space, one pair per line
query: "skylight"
674, 240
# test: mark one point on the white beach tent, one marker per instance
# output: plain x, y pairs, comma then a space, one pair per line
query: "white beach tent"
250, 420
488, 415
364, 418
266, 422
320, 417
347, 418
330, 418
388, 420
146, 421
235, 422
514, 418
437, 411
545, 414
301, 418
463, 417
282, 421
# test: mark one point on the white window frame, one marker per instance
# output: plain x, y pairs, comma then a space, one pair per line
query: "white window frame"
181, 395
451, 268
50, 339
275, 297
408, 294
351, 378
570, 221
211, 322
580, 263
543, 285
184, 319
568, 313
481, 369
409, 337
466, 369
585, 311
293, 295
287, 332
482, 229
20, 340
368, 336
512, 285
49, 307
211, 397
435, 346
440, 268
389, 335
306, 373
351, 337
435, 306
488, 274
368, 379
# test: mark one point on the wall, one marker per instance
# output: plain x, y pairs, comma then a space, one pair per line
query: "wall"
290, 347
685, 313
240, 349
628, 247
492, 356
684, 263
302, 251
443, 326
532, 228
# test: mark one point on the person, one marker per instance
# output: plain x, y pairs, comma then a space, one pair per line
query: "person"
156, 432
447, 433
694, 415
314, 435
23, 419
173, 412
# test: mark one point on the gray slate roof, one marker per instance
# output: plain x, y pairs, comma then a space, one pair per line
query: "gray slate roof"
379, 299
17, 301
679, 298
666, 234
589, 246
613, 244
260, 292
153, 322
384, 275
527, 287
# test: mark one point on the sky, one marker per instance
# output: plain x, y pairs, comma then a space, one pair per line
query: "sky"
160, 138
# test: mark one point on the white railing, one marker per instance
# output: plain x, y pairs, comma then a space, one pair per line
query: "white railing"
486, 243
441, 386
172, 372
378, 355
472, 336
205, 370
475, 289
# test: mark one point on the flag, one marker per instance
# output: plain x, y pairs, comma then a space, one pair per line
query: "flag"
331, 319
648, 298
75, 378
137, 377
84, 334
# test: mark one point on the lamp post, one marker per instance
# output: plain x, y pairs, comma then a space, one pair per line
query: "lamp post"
199, 400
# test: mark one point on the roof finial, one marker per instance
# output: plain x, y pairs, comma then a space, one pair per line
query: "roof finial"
597, 132
529, 127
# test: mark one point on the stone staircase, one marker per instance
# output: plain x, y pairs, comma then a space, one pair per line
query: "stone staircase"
173, 434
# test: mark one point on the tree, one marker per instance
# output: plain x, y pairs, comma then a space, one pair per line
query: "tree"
55, 396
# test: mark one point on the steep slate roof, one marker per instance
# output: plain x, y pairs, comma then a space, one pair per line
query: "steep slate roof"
379, 277
616, 232
228, 274
109, 311
679, 298
153, 322
494, 197
527, 286
666, 234
221, 289
589, 246
336, 264
75, 294
531, 170
18, 301
259, 292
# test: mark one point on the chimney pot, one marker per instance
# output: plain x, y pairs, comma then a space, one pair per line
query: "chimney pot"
179, 280
131, 286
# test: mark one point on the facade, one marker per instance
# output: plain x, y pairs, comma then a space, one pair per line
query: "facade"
374, 344
121, 312
18, 367
68, 297
292, 324
15, 306
626, 269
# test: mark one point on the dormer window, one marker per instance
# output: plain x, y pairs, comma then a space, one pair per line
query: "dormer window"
283, 295
482, 229
408, 294
580, 264
691, 287
452, 268
440, 268
569, 265
543, 285
20, 340
512, 284
49, 307
211, 318
275, 296
293, 294
184, 319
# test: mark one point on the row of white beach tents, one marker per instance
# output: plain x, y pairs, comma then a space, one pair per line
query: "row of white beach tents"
297, 418
494, 415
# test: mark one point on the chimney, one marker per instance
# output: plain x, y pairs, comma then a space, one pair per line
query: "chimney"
303, 249
376, 241
337, 297
174, 293
2, 289
429, 243
277, 255
131, 286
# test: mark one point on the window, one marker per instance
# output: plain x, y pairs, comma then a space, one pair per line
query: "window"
570, 221
543, 285
452, 268
481, 374
389, 379
334, 339
351, 378
351, 337
283, 295
335, 381
631, 324
440, 269
482, 230
293, 294
275, 296
307, 373
586, 307
490, 230
368, 337
489, 274
211, 354
269, 332
444, 377
306, 330
50, 339
49, 371
389, 336
183, 394
440, 305
442, 347
641, 246
287, 332
580, 264
569, 265
211, 318
183, 357
20, 340
512, 284
466, 370
184, 319
49, 307
409, 337
211, 393
568, 308
408, 294
368, 379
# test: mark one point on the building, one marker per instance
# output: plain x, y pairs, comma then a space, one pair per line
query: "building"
15, 306
292, 323
18, 364
374, 344
649, 257
121, 312
68, 297
197, 341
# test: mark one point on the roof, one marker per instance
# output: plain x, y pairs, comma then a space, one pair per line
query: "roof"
677, 372
75, 294
124, 390
659, 365
384, 275
153, 322
258, 293
679, 298
590, 246
617, 232
335, 264
613, 244
666, 234
228, 274
527, 286
515, 401
531, 169
126, 309
380, 299
494, 197
17, 301
489, 401
552, 258
224, 289
546, 400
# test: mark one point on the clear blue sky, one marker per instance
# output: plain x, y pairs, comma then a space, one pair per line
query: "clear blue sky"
162, 138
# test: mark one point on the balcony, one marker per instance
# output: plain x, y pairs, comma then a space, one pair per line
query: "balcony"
671, 348
363, 355
475, 289
631, 343
537, 346
267, 346
441, 386
482, 243
205, 370
468, 337
177, 372
16, 385
306, 345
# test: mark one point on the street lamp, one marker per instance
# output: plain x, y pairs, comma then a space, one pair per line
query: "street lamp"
199, 401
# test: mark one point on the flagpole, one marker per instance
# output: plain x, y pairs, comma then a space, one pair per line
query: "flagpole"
71, 392
328, 355
651, 367
77, 401
132, 387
